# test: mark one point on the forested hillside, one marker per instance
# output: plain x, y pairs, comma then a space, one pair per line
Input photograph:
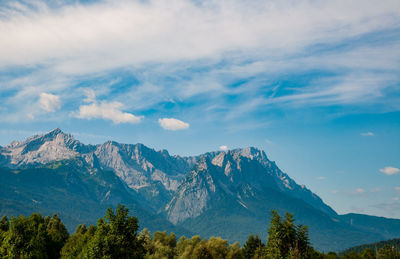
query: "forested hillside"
117, 235
392, 244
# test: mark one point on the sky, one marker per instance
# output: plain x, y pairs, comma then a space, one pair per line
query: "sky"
314, 83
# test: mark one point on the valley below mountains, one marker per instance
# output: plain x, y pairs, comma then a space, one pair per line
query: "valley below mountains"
225, 193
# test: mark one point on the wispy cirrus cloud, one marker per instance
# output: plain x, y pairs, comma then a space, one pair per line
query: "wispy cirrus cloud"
68, 35
219, 54
367, 134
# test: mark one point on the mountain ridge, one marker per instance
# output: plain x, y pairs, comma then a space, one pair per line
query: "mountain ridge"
228, 187
125, 160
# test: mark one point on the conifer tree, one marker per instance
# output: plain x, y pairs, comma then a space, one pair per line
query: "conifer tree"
252, 244
274, 243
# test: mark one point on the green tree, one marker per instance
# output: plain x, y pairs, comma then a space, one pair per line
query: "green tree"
163, 245
274, 243
387, 252
285, 239
77, 242
351, 255
147, 242
25, 238
116, 236
287, 234
302, 241
235, 251
218, 247
4, 224
252, 244
368, 253
58, 235
201, 251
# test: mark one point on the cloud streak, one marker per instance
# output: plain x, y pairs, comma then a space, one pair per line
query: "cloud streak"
367, 134
75, 37
197, 53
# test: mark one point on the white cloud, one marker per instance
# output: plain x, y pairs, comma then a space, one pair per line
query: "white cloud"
265, 37
90, 96
104, 110
359, 191
49, 102
223, 148
367, 134
397, 189
388, 170
135, 31
334, 191
321, 178
173, 124
109, 111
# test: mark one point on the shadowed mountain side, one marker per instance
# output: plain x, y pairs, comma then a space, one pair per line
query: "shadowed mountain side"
74, 193
231, 220
387, 227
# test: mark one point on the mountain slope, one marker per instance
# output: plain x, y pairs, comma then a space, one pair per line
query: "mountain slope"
154, 174
231, 195
237, 173
392, 243
388, 228
225, 193
77, 193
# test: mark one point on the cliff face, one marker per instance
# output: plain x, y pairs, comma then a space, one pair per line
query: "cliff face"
238, 174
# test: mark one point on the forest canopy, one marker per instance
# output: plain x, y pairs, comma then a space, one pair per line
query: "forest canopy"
117, 235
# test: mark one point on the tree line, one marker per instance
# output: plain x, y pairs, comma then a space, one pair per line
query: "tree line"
117, 235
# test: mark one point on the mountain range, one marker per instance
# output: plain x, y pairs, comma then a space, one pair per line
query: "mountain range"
223, 193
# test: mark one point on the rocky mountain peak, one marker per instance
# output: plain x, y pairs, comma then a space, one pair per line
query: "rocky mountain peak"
41, 149
55, 132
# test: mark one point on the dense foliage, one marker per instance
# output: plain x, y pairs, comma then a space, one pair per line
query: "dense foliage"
116, 236
393, 243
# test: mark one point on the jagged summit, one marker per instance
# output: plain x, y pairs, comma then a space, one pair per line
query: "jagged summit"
48, 135
55, 131
41, 149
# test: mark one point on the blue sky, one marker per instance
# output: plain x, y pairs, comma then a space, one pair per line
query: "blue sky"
316, 84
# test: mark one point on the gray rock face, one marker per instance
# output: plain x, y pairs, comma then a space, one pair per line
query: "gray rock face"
42, 149
139, 165
237, 173
154, 173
